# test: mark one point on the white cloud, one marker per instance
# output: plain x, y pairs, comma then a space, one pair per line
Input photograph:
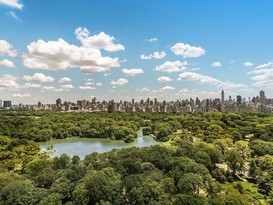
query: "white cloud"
64, 88
153, 39
164, 79
155, 55
38, 77
12, 3
120, 81
106, 74
187, 51
60, 55
266, 65
88, 83
48, 88
6, 48
167, 88
169, 67
190, 76
248, 64
193, 69
195, 93
8, 82
203, 79
100, 41
67, 86
99, 84
216, 64
144, 89
7, 63
87, 88
263, 77
31, 85
18, 95
64, 80
132, 72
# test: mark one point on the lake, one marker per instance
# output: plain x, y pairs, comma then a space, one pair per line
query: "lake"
84, 146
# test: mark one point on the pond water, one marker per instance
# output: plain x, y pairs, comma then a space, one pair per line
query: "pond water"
84, 146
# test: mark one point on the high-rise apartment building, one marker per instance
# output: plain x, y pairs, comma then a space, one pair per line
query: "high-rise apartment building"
6, 104
222, 97
262, 97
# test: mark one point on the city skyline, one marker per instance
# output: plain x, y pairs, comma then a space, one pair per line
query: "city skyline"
134, 50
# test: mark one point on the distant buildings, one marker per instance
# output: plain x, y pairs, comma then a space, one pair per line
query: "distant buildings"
259, 104
7, 104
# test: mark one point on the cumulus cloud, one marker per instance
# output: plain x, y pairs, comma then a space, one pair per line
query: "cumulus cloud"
87, 88
100, 41
7, 48
164, 79
38, 77
155, 55
120, 82
263, 75
12, 3
18, 95
216, 64
31, 85
99, 84
204, 79
48, 88
248, 64
167, 88
64, 80
169, 67
193, 93
187, 51
88, 83
7, 63
60, 55
153, 39
144, 89
132, 72
8, 82
64, 88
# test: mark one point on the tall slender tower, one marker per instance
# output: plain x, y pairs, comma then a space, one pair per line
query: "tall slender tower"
222, 97
262, 97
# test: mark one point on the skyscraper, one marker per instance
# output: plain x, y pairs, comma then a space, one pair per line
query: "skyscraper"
222, 97
58, 102
262, 97
239, 98
7, 104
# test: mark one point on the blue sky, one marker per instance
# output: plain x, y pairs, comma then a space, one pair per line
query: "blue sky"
116, 49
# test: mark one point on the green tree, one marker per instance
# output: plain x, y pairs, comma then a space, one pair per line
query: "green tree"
235, 161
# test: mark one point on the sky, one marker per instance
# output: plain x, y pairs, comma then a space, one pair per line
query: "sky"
117, 49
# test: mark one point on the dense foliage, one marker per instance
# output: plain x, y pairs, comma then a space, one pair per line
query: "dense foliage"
209, 158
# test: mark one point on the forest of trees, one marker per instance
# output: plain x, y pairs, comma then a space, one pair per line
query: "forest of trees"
200, 158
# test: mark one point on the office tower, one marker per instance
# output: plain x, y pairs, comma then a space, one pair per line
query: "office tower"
239, 98
1, 103
39, 104
133, 101
6, 104
262, 96
222, 97
148, 101
155, 101
58, 102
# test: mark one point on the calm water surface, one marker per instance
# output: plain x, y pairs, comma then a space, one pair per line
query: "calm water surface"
83, 146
